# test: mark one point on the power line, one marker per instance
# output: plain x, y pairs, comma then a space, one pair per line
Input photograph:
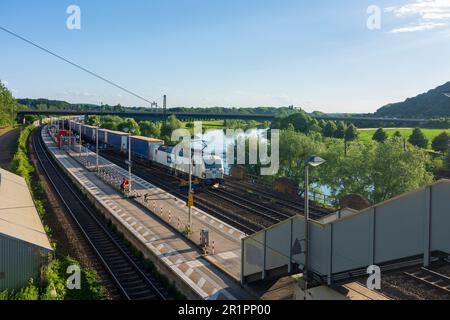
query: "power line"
75, 65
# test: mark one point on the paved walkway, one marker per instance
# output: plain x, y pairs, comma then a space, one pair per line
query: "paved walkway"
178, 253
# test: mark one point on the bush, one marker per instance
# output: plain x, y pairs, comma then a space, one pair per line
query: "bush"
441, 142
447, 160
351, 133
418, 139
30, 292
380, 135
4, 295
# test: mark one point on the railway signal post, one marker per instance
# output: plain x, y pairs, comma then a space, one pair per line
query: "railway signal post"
130, 131
190, 200
96, 144
80, 140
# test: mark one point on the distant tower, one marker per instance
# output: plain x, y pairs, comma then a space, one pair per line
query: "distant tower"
164, 106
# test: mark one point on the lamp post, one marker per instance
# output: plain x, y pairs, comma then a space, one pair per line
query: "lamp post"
129, 131
311, 161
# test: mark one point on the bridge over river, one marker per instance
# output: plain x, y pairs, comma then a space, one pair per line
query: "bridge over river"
189, 116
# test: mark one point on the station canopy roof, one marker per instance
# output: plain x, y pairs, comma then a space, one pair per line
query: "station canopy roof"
19, 218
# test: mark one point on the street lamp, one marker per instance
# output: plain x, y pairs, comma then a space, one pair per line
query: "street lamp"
130, 131
311, 161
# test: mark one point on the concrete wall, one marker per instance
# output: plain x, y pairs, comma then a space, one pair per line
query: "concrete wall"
414, 224
440, 217
20, 262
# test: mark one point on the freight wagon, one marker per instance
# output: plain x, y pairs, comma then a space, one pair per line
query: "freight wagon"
102, 136
117, 140
145, 148
88, 132
153, 151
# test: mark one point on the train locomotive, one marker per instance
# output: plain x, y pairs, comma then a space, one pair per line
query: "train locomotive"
207, 169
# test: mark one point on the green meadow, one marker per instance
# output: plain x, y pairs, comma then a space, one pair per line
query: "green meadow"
209, 124
367, 134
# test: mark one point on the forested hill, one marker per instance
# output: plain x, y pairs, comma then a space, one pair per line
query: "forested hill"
8, 107
432, 104
46, 104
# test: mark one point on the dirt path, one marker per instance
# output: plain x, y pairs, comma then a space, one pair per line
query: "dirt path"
7, 145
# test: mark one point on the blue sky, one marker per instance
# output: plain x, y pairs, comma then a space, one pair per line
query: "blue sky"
319, 55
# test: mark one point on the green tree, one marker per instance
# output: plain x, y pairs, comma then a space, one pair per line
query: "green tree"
347, 175
314, 126
294, 147
322, 123
340, 131
171, 124
150, 129
111, 122
300, 121
290, 127
93, 120
418, 139
380, 135
397, 134
351, 133
447, 160
8, 107
130, 123
266, 124
378, 171
395, 171
441, 142
329, 129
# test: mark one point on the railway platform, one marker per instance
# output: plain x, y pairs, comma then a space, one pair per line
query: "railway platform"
156, 220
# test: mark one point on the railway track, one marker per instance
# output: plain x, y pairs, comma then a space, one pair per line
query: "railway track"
127, 272
271, 196
432, 279
234, 206
250, 205
167, 182
246, 214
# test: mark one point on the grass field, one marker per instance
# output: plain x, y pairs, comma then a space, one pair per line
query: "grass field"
210, 124
367, 134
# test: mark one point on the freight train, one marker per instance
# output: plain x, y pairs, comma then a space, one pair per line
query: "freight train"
209, 171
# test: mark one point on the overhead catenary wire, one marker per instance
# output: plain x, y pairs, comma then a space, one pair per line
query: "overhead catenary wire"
75, 65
